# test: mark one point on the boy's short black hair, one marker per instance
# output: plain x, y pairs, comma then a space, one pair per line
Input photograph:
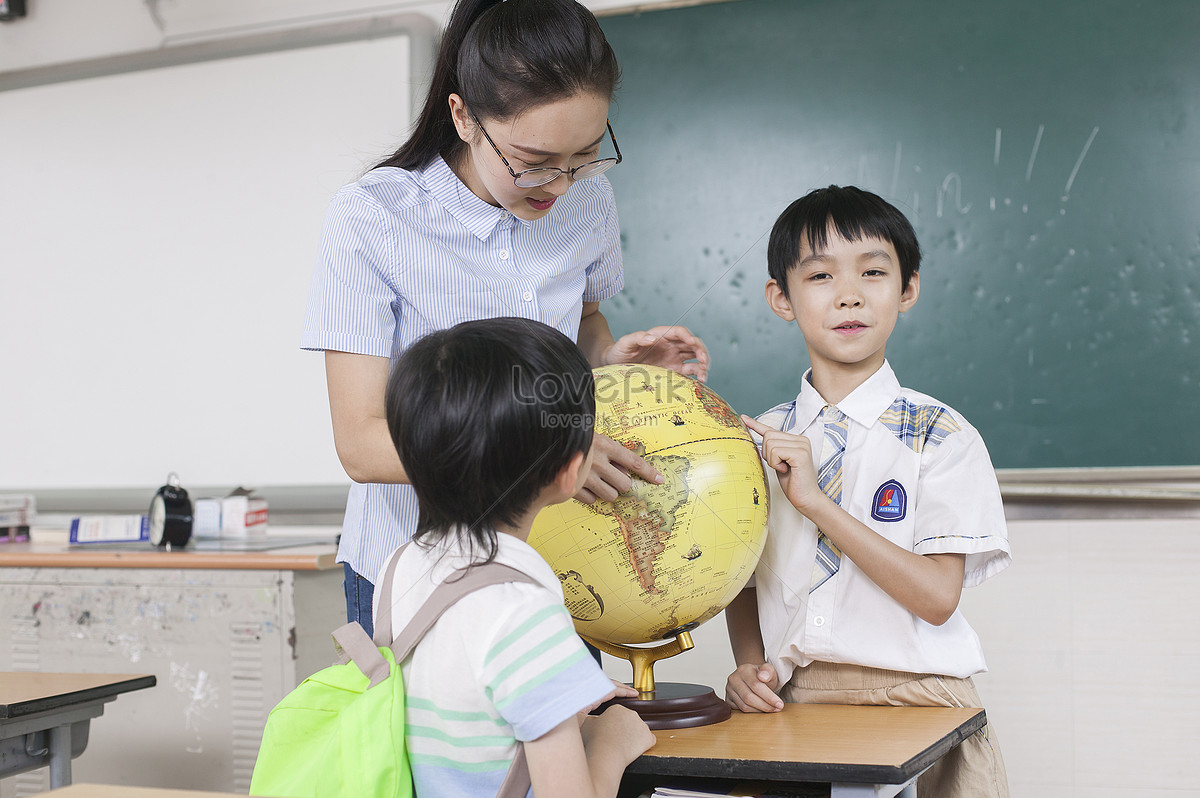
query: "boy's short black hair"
484, 415
855, 214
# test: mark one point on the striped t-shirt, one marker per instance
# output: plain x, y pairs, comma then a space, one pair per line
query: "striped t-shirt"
405, 253
501, 665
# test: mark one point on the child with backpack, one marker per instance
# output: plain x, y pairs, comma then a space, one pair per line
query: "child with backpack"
494, 420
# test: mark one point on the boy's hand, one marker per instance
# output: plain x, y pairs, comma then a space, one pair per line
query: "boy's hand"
620, 690
791, 457
620, 731
752, 688
674, 347
610, 474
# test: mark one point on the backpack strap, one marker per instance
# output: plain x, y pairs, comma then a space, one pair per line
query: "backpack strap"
383, 618
353, 645
516, 781
446, 595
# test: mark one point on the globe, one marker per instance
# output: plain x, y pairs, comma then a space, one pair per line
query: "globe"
660, 559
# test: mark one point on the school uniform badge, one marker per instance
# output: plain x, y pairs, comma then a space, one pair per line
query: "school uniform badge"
891, 502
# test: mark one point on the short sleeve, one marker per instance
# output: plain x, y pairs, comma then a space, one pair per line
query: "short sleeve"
536, 668
353, 302
960, 510
606, 275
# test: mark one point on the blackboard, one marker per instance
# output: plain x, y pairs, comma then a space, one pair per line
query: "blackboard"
1047, 153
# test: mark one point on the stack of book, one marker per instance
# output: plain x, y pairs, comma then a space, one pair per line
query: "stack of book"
18, 511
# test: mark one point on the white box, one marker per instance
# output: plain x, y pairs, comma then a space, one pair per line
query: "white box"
109, 528
243, 514
206, 518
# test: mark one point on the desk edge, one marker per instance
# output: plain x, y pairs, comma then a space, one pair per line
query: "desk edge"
749, 769
102, 692
940, 748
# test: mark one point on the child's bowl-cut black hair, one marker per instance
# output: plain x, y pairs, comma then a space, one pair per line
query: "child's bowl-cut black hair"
855, 214
484, 415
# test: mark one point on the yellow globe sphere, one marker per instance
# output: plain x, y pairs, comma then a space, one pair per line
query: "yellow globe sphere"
661, 559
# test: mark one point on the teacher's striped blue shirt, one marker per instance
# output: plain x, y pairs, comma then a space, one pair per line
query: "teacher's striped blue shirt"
405, 253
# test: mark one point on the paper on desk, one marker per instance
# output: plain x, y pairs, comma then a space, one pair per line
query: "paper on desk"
752, 789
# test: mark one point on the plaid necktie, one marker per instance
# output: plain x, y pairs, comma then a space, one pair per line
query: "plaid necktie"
829, 556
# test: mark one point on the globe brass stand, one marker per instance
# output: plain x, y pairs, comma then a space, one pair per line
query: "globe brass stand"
670, 705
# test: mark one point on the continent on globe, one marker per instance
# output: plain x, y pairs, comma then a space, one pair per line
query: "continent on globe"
715, 406
646, 514
580, 598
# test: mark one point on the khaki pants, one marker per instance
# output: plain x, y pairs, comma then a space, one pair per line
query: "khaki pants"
973, 768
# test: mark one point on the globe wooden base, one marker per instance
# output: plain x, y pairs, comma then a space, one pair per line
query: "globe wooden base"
675, 705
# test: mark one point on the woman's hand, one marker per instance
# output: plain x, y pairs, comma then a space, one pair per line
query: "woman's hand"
673, 347
610, 476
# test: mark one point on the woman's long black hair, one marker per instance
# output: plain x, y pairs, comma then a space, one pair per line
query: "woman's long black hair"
504, 57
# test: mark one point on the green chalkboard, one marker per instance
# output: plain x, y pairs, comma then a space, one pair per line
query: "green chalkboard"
1048, 154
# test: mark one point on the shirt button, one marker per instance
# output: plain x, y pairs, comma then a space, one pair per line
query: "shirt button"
504, 254
528, 296
819, 620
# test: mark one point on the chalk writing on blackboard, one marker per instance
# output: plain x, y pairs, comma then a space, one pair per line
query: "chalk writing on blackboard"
1037, 142
953, 195
896, 168
954, 180
1078, 163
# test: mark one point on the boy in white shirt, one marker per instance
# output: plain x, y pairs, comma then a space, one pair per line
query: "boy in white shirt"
885, 503
493, 420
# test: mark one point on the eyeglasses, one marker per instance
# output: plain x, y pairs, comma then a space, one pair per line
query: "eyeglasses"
532, 178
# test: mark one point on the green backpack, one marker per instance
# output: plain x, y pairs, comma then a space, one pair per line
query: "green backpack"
341, 732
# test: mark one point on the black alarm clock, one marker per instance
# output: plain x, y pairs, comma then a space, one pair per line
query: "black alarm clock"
170, 515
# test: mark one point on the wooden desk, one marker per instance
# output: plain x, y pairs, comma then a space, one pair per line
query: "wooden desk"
875, 751
122, 791
44, 717
316, 557
227, 634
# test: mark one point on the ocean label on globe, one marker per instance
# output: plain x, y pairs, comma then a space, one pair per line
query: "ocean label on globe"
661, 558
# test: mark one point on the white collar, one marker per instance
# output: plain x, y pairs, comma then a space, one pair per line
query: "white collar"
864, 405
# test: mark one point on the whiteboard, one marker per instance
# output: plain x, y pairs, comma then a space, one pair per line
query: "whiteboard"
158, 231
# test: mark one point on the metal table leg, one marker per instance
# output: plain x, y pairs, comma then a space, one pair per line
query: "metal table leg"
60, 756
906, 790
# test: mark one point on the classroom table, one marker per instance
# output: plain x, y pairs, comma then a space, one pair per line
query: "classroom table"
45, 717
124, 791
856, 750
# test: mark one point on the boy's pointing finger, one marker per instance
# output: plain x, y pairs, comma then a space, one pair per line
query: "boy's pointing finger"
755, 426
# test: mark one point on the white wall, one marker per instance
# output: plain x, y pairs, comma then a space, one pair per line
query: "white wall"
1093, 641
159, 233
160, 228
